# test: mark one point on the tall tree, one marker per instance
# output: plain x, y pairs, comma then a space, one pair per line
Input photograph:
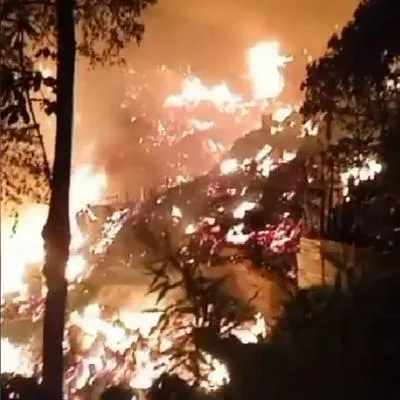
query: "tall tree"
56, 233
357, 83
104, 29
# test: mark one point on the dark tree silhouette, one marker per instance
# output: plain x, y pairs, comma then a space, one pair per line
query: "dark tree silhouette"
56, 233
356, 82
329, 343
358, 78
117, 393
105, 28
19, 387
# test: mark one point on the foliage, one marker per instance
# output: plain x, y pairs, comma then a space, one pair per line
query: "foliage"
357, 81
19, 387
117, 393
25, 170
171, 387
23, 173
28, 51
193, 301
328, 343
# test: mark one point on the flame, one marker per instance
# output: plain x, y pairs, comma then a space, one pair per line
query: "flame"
21, 248
369, 169
219, 110
86, 187
241, 210
190, 229
176, 212
235, 235
195, 92
282, 113
126, 345
265, 63
229, 166
15, 359
136, 330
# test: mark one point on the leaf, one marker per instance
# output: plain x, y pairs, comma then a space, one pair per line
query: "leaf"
37, 81
50, 107
50, 82
13, 117
25, 116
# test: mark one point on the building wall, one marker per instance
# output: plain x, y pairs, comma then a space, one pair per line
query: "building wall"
324, 262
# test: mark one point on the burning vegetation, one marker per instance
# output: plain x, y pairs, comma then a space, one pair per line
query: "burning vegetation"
228, 196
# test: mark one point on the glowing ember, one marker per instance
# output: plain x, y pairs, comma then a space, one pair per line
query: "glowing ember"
103, 342
229, 166
176, 212
282, 113
235, 235
241, 210
368, 171
190, 229
263, 153
288, 156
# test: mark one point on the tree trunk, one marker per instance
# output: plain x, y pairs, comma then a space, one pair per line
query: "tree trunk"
56, 232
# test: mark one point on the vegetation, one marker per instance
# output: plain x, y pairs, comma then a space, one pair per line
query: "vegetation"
329, 342
354, 89
196, 301
42, 29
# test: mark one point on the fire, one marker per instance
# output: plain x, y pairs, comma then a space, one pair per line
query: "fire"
21, 248
195, 92
104, 343
15, 359
127, 346
190, 229
369, 169
217, 112
176, 212
282, 113
229, 166
236, 235
86, 187
265, 64
241, 210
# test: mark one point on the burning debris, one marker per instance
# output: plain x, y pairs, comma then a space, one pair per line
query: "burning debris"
246, 207
110, 349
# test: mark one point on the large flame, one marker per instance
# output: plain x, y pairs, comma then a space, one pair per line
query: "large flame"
22, 243
194, 92
131, 350
265, 64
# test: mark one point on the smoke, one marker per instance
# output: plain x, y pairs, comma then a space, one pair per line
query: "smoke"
209, 36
